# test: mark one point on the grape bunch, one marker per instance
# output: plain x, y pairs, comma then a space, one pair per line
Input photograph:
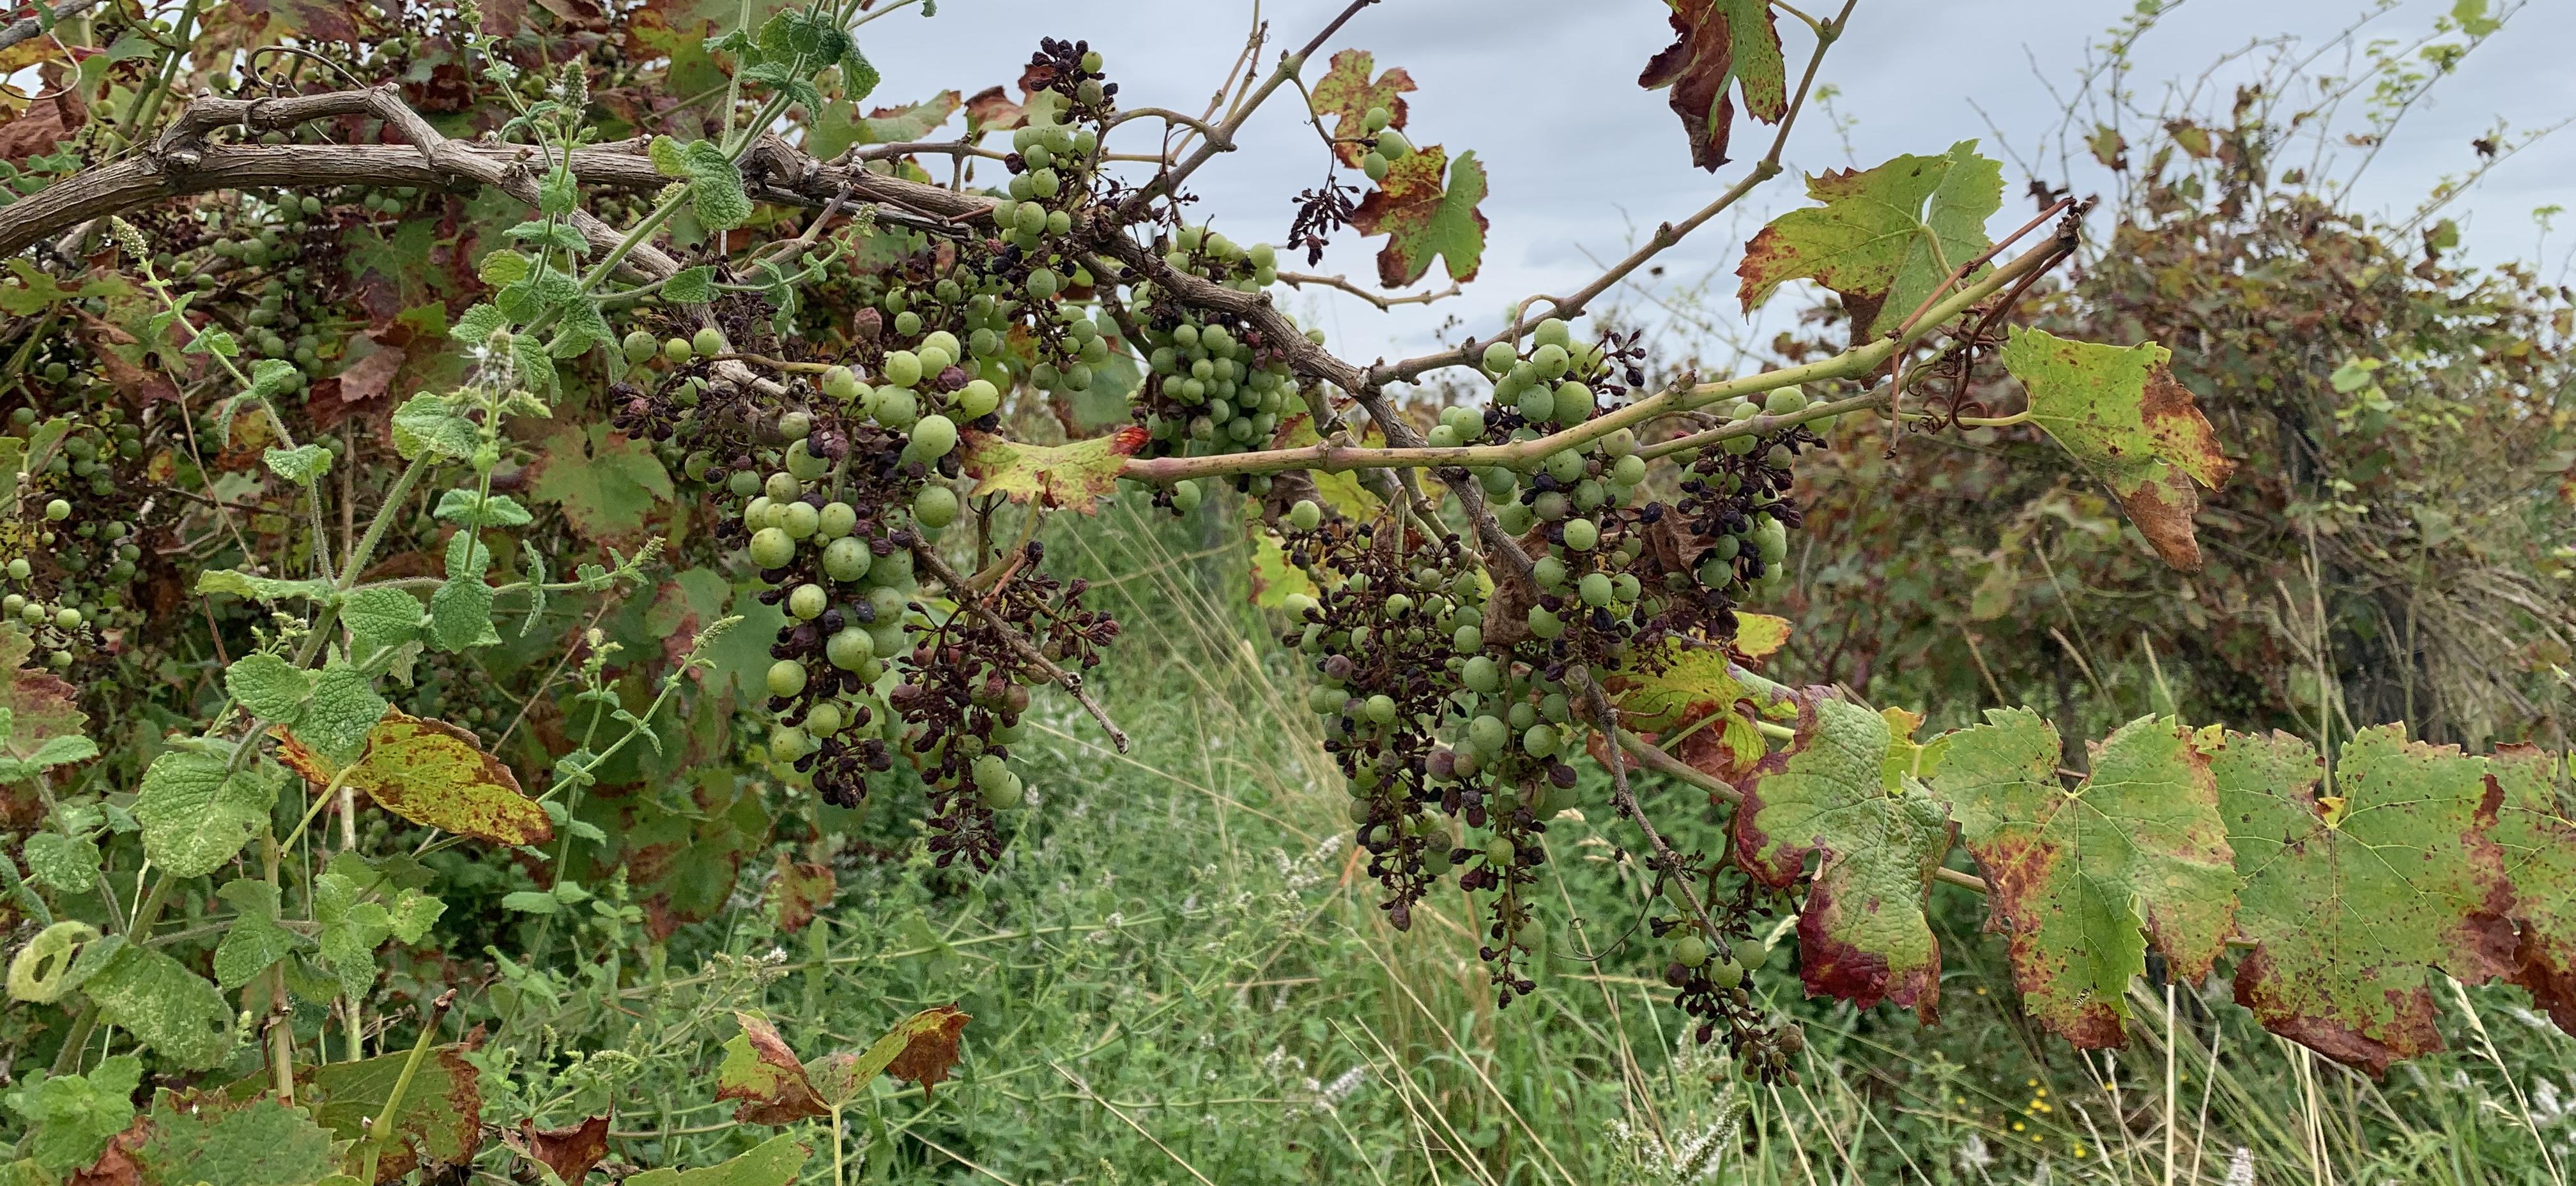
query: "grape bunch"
1707, 971
75, 540
1213, 384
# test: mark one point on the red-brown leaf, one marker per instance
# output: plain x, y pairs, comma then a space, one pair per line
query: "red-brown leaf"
569, 1152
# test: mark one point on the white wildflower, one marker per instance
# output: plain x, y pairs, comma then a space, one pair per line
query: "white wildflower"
2240, 1168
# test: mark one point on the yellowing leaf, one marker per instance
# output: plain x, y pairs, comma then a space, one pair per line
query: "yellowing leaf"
1346, 94
1759, 636
1421, 218
1701, 696
1718, 44
766, 1076
1076, 475
1884, 238
433, 773
2125, 418
774, 1162
440, 1124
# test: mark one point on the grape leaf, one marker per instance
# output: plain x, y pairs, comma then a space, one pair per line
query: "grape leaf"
1862, 934
607, 485
774, 1162
1884, 238
2075, 877
766, 1076
2122, 415
1345, 93
1693, 699
570, 1153
433, 773
1274, 580
208, 1139
197, 812
1422, 219
2539, 844
928, 1046
41, 705
2354, 897
1719, 44
1076, 475
163, 1004
799, 891
440, 1124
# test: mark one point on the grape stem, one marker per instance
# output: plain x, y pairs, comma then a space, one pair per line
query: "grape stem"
964, 591
1382, 301
1624, 801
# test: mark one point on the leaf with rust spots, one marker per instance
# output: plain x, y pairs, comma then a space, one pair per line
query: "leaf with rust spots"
2539, 845
1757, 636
926, 1046
1346, 93
2122, 415
1862, 934
607, 484
1695, 694
2353, 904
41, 705
1718, 46
432, 773
440, 1125
1076, 475
569, 1153
1422, 218
800, 889
2077, 879
1884, 238
766, 1076
207, 1139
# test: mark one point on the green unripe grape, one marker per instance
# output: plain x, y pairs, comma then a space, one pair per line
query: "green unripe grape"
1004, 795
1489, 734
640, 347
934, 359
13, 604
933, 437
1374, 165
1441, 436
846, 559
743, 483
895, 407
1376, 119
1380, 708
824, 720
786, 744
1573, 403
990, 771
1185, 496
1467, 640
1324, 701
1595, 588
902, 368
1499, 357
978, 399
783, 487
1549, 572
1626, 587
708, 341
1628, 470
1500, 851
1536, 405
796, 426
851, 649
58, 510
32, 613
836, 520
67, 618
1497, 481
1539, 741
786, 677
1581, 534
1742, 445
19, 569
1786, 401
1545, 625
1514, 518
1692, 951
935, 506
772, 548
1305, 516
808, 602
907, 323
1554, 332
1725, 974
1551, 361
1393, 145
799, 519
842, 383
1436, 862
1566, 466
1482, 675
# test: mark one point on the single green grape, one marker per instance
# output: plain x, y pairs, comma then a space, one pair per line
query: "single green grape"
1481, 675
1580, 534
772, 548
851, 649
844, 559
808, 602
1306, 515
933, 437
708, 341
836, 520
786, 677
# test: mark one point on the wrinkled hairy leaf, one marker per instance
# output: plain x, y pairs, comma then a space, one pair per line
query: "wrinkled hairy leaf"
1884, 239
440, 1124
569, 1153
75, 1116
2354, 895
209, 1139
1719, 44
1076, 475
41, 971
1346, 93
2122, 415
774, 1162
197, 811
1862, 934
1422, 218
433, 773
1692, 701
766, 1076
163, 1004
252, 938
2076, 878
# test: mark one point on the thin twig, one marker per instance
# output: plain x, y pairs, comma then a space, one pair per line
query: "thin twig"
1019, 643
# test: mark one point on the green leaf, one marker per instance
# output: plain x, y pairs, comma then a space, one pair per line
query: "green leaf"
473, 508
558, 193
1884, 239
477, 325
607, 485
1862, 934
777, 1161
2075, 877
66, 863
1076, 475
429, 424
269, 687
2122, 414
75, 1116
530, 902
460, 615
691, 286
252, 940
558, 235
766, 1076
352, 927
715, 187
271, 377
534, 364
2538, 842
210, 1139
57, 751
344, 707
1346, 94
504, 268
259, 588
197, 812
380, 618
2355, 897
163, 1004
1717, 45
440, 1123
669, 158
433, 773
300, 465
1422, 219
1700, 695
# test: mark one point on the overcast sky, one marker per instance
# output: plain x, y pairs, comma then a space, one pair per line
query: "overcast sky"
1580, 158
